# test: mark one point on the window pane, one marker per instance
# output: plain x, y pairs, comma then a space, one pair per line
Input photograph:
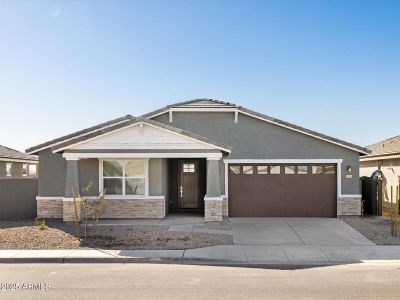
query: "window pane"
134, 186
113, 186
234, 169
262, 169
134, 168
290, 170
32, 170
330, 170
275, 170
302, 169
247, 169
24, 170
188, 168
112, 168
8, 169
317, 170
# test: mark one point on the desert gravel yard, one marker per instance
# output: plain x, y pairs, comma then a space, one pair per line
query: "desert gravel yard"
375, 228
27, 234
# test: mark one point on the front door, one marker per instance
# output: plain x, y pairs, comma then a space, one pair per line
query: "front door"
188, 188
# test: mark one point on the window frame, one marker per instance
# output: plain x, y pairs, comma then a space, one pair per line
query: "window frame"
123, 177
9, 168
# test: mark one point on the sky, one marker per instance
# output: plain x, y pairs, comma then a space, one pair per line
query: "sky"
330, 66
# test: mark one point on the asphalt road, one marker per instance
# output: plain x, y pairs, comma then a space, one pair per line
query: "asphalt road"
169, 281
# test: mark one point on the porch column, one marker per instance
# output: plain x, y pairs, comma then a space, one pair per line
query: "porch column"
213, 199
71, 184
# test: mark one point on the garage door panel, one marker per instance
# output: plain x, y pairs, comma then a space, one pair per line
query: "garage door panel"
303, 194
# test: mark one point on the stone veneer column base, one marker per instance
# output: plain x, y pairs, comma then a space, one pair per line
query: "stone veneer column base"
213, 209
49, 208
225, 207
349, 205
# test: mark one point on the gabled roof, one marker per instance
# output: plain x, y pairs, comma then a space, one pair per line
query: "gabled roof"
212, 103
84, 132
389, 147
62, 146
12, 154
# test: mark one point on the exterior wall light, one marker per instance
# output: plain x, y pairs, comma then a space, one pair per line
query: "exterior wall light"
348, 168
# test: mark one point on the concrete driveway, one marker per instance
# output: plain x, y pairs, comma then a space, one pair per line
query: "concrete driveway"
295, 231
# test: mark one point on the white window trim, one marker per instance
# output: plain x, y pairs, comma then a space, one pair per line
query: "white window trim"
338, 162
123, 196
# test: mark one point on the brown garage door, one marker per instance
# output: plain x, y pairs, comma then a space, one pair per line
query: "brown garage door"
282, 190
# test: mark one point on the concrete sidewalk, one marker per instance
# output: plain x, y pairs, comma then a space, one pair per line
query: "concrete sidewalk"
229, 254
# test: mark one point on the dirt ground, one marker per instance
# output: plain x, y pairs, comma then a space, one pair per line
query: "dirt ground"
375, 228
27, 234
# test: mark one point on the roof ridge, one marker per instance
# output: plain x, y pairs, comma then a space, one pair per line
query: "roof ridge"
385, 140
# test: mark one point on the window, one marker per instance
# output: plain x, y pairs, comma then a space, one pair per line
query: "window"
262, 169
188, 168
290, 170
32, 170
302, 170
275, 170
24, 170
330, 170
125, 177
8, 169
234, 169
247, 169
317, 170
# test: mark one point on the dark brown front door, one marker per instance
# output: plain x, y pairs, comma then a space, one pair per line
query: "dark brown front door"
188, 192
282, 190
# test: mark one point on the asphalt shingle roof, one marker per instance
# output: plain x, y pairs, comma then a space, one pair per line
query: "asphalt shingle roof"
385, 147
6, 152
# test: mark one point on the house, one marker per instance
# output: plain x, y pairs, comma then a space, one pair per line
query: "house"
386, 154
205, 156
16, 164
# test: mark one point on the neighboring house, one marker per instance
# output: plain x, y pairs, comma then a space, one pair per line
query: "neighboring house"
203, 155
387, 154
16, 164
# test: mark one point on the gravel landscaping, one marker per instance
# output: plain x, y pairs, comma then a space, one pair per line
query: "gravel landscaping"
375, 228
27, 234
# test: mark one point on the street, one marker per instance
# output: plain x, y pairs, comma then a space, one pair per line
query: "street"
170, 281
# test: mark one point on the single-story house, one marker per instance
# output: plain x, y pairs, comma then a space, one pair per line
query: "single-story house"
16, 164
205, 156
386, 154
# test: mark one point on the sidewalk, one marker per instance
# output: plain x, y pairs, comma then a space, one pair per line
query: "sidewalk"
229, 254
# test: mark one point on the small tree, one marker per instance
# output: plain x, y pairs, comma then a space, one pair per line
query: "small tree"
90, 211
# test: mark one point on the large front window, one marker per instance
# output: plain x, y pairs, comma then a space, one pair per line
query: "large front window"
125, 177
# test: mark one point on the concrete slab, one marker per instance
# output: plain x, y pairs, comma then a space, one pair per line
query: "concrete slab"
43, 254
210, 230
361, 253
326, 231
10, 253
221, 253
181, 228
108, 222
182, 219
302, 254
172, 254
89, 254
265, 254
263, 231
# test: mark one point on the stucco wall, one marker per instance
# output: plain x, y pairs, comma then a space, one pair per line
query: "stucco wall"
256, 139
89, 173
158, 178
391, 172
52, 174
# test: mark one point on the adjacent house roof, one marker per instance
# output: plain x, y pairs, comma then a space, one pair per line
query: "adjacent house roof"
8, 154
389, 148
212, 103
132, 120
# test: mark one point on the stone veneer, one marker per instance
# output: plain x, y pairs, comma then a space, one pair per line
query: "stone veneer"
212, 210
225, 207
349, 206
123, 209
52, 208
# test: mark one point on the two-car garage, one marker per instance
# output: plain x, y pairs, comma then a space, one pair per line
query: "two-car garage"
282, 190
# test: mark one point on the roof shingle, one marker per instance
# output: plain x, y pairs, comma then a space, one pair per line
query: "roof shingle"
8, 153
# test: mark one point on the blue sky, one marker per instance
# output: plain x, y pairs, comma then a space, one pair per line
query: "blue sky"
331, 66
